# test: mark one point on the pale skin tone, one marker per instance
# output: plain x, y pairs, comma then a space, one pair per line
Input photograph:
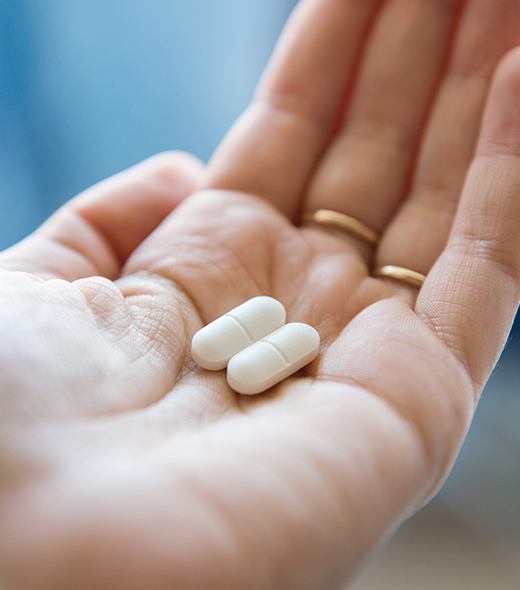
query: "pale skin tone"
122, 464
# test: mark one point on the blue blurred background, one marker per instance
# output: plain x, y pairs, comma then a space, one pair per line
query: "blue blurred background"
89, 87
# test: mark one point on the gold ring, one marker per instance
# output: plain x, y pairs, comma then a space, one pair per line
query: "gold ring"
399, 273
345, 223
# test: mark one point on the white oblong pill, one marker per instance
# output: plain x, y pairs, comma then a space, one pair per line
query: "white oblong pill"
273, 359
216, 343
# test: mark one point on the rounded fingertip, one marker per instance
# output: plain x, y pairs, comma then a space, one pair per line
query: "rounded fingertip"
510, 63
173, 166
501, 127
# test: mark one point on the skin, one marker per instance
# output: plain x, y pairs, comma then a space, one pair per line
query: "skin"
124, 465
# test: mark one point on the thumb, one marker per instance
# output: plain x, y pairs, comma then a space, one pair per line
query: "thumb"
94, 233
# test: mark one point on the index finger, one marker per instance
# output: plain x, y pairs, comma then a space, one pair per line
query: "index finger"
275, 145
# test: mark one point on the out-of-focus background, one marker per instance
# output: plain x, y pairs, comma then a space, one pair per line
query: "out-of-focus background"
89, 87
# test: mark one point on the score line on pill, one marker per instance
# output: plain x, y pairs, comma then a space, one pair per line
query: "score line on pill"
272, 359
213, 346
256, 345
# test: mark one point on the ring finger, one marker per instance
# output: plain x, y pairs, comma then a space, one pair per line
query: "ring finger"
419, 231
367, 168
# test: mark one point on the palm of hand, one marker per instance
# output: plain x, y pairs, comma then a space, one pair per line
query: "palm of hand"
151, 472
149, 430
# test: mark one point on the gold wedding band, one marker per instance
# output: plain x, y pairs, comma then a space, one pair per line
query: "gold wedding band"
342, 222
399, 273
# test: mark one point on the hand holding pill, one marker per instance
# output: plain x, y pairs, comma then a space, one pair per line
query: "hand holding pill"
255, 345
123, 467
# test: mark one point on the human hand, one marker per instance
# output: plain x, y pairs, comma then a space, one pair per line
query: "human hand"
123, 465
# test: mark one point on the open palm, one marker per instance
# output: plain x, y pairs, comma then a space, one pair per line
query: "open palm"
125, 465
